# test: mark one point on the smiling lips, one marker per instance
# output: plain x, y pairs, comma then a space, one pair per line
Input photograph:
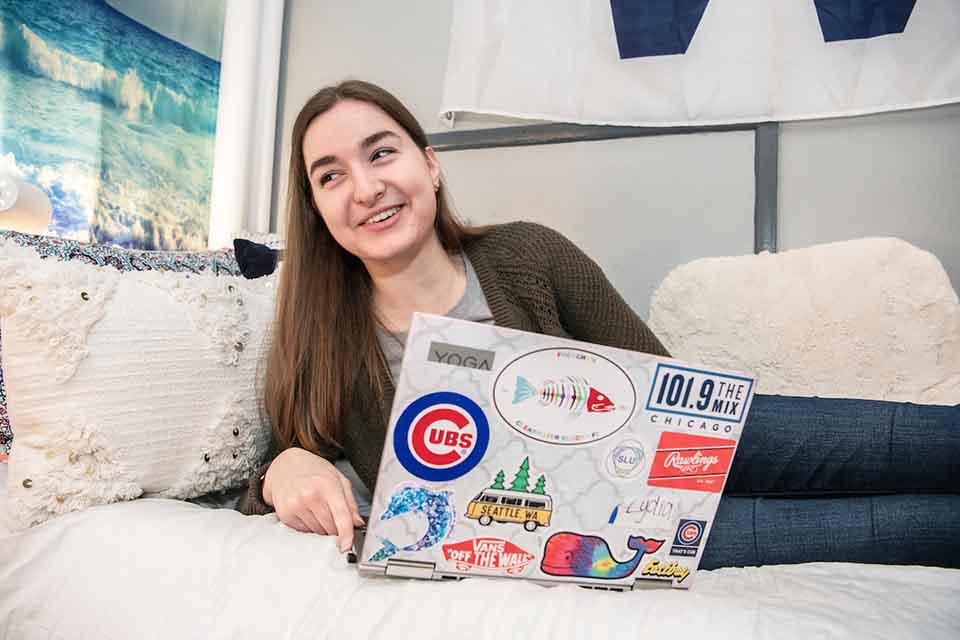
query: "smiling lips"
384, 215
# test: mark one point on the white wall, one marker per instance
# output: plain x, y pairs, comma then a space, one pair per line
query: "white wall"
640, 206
894, 174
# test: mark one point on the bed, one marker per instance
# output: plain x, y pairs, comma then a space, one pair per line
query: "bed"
163, 567
170, 569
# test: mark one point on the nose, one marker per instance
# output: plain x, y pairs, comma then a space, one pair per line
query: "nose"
367, 187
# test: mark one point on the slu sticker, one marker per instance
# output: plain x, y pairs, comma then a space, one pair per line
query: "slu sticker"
686, 541
516, 503
441, 436
697, 463
625, 460
488, 554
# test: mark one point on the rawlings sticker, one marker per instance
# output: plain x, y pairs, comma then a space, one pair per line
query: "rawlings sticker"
584, 556
515, 503
697, 463
686, 541
493, 554
441, 436
671, 571
436, 508
564, 396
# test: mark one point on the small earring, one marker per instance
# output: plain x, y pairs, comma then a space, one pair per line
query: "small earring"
436, 186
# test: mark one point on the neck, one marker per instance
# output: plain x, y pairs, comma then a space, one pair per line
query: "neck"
430, 282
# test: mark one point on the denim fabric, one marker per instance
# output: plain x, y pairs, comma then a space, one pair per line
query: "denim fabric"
794, 446
890, 529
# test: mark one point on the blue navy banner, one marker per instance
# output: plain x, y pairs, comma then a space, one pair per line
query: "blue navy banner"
675, 62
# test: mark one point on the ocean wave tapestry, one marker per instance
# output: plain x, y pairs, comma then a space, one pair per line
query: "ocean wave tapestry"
110, 107
699, 62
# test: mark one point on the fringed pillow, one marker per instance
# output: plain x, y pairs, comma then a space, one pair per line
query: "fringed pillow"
124, 378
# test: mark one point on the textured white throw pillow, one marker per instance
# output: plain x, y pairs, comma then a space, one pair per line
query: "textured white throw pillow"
128, 384
870, 318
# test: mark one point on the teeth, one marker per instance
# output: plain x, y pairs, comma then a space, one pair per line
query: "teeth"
383, 215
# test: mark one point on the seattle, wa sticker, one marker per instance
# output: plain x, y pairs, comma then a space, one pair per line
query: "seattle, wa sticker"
434, 507
488, 554
696, 463
441, 436
564, 396
515, 503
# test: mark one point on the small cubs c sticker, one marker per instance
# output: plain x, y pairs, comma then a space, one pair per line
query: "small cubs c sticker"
441, 436
687, 539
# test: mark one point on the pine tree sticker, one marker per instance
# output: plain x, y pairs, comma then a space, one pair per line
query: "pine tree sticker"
498, 481
522, 480
541, 485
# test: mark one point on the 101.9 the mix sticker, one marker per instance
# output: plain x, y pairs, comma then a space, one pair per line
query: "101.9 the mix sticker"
699, 393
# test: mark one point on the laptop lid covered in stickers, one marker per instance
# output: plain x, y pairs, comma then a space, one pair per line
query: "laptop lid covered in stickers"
514, 454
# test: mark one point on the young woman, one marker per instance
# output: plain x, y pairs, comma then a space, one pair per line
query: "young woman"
371, 238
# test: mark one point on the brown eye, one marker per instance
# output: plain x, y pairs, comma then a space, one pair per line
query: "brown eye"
382, 153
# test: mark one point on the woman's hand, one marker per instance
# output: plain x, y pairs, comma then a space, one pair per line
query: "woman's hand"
310, 494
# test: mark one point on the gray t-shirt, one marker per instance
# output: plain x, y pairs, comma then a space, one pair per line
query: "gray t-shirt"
472, 306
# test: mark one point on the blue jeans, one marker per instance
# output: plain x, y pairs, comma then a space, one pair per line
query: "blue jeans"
837, 480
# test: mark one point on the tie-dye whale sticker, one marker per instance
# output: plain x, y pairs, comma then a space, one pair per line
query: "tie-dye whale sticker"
564, 396
433, 507
585, 556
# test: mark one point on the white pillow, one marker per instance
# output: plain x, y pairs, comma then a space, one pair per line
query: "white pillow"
122, 384
870, 318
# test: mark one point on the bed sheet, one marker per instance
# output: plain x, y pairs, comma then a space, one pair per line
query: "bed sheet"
169, 569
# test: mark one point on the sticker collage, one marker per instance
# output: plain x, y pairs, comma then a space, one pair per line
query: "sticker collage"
490, 485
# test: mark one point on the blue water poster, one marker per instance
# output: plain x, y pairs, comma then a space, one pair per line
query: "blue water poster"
110, 107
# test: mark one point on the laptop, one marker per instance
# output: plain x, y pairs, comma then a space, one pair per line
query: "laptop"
517, 455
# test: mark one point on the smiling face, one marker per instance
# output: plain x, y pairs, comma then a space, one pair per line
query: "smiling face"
373, 186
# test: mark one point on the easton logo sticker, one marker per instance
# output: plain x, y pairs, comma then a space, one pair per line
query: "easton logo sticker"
697, 463
686, 541
441, 436
488, 553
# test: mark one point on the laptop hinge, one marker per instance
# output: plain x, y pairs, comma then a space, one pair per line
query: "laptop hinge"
409, 569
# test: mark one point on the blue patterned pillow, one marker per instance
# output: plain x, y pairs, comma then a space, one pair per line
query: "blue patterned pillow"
219, 262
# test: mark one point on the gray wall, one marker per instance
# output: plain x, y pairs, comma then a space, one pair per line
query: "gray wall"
640, 206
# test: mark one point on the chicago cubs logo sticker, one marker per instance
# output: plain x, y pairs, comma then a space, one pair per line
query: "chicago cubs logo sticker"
441, 436
686, 541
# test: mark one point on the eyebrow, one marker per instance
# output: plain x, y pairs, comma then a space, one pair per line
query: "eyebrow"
366, 143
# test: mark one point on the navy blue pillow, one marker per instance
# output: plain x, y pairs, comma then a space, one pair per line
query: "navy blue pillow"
255, 259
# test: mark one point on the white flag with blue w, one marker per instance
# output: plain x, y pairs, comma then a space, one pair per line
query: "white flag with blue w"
680, 62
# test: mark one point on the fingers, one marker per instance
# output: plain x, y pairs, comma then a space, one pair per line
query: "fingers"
343, 520
351, 501
294, 522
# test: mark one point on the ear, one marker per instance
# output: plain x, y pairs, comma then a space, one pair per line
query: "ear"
433, 165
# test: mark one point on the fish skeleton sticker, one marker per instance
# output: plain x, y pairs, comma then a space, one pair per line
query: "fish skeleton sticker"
435, 506
572, 393
564, 396
584, 556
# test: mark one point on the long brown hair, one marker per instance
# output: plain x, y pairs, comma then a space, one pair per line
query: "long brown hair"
324, 340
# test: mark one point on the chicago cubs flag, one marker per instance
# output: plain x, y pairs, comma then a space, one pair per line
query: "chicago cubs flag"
677, 62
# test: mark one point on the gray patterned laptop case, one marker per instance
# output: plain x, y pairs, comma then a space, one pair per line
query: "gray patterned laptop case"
514, 454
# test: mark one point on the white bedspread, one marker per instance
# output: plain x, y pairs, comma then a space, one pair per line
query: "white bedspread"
167, 569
